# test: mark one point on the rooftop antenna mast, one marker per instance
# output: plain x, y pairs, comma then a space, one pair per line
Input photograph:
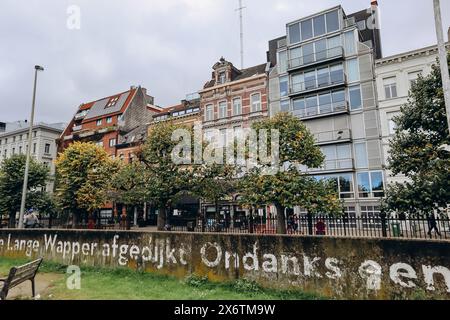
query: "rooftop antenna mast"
241, 20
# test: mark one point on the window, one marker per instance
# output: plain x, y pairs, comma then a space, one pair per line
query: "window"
237, 131
319, 25
222, 77
343, 183
307, 29
337, 157
310, 80
296, 58
285, 106
99, 122
361, 25
282, 62
350, 43
237, 106
34, 148
321, 49
223, 138
361, 155
284, 86
109, 120
100, 144
332, 19
120, 117
325, 103
14, 139
209, 114
355, 97
256, 102
337, 73
20, 150
370, 184
334, 43
112, 102
222, 109
294, 33
353, 70
13, 151
308, 53
112, 142
299, 107
390, 87
311, 106
47, 148
34, 134
323, 77
339, 100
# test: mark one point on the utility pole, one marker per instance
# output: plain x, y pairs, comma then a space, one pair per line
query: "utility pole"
442, 57
241, 21
30, 140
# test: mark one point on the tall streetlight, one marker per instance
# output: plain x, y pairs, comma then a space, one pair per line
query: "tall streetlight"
442, 57
30, 140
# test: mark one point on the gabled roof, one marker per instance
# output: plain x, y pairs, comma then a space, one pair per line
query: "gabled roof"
243, 74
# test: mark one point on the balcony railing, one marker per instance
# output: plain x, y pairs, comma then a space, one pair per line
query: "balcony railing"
332, 165
321, 56
318, 83
321, 110
333, 136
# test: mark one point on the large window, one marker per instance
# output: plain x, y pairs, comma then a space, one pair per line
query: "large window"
332, 19
370, 184
319, 26
256, 102
353, 70
392, 126
337, 157
343, 182
285, 106
222, 109
390, 87
355, 97
209, 113
361, 158
46, 149
306, 29
323, 103
308, 53
294, 33
237, 106
337, 73
350, 43
282, 61
284, 86
317, 78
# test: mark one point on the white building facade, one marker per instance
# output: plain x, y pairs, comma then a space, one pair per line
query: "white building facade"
394, 76
43, 147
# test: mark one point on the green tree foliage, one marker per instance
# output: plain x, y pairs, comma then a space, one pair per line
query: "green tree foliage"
84, 175
289, 187
168, 179
418, 150
129, 184
11, 185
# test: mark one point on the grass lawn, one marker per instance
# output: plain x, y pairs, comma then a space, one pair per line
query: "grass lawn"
126, 284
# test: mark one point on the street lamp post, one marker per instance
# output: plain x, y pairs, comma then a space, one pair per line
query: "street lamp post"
442, 57
30, 140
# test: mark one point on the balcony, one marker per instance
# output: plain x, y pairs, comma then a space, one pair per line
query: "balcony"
80, 115
322, 82
322, 110
331, 137
316, 58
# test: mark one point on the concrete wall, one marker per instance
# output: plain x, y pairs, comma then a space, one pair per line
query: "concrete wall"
341, 268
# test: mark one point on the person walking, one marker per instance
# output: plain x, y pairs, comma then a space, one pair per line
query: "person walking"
432, 225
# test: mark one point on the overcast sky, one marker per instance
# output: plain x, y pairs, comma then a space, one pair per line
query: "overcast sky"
167, 46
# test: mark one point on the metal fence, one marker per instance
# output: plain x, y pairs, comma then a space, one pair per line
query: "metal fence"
370, 226
373, 226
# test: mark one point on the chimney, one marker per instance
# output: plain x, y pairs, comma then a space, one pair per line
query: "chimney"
374, 3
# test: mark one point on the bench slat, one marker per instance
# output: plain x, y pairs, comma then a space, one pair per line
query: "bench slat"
20, 274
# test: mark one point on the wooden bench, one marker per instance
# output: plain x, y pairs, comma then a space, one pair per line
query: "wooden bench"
18, 275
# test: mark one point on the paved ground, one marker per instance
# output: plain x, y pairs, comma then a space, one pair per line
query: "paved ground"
43, 283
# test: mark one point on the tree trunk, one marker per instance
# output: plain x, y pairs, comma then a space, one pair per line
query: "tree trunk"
12, 220
281, 219
250, 221
217, 216
162, 218
76, 219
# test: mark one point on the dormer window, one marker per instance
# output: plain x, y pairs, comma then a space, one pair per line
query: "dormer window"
112, 102
222, 77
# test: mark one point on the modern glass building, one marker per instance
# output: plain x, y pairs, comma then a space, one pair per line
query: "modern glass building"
323, 72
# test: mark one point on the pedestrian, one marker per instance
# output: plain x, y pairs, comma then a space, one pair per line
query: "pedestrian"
432, 225
320, 228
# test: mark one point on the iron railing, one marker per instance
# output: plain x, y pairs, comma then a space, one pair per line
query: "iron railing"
316, 57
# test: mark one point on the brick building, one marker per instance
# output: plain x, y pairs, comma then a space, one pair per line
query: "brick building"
233, 98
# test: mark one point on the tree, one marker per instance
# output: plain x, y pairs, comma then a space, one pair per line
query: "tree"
11, 184
213, 182
418, 150
168, 179
289, 187
84, 175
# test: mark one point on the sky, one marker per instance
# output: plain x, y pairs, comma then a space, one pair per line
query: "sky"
166, 46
